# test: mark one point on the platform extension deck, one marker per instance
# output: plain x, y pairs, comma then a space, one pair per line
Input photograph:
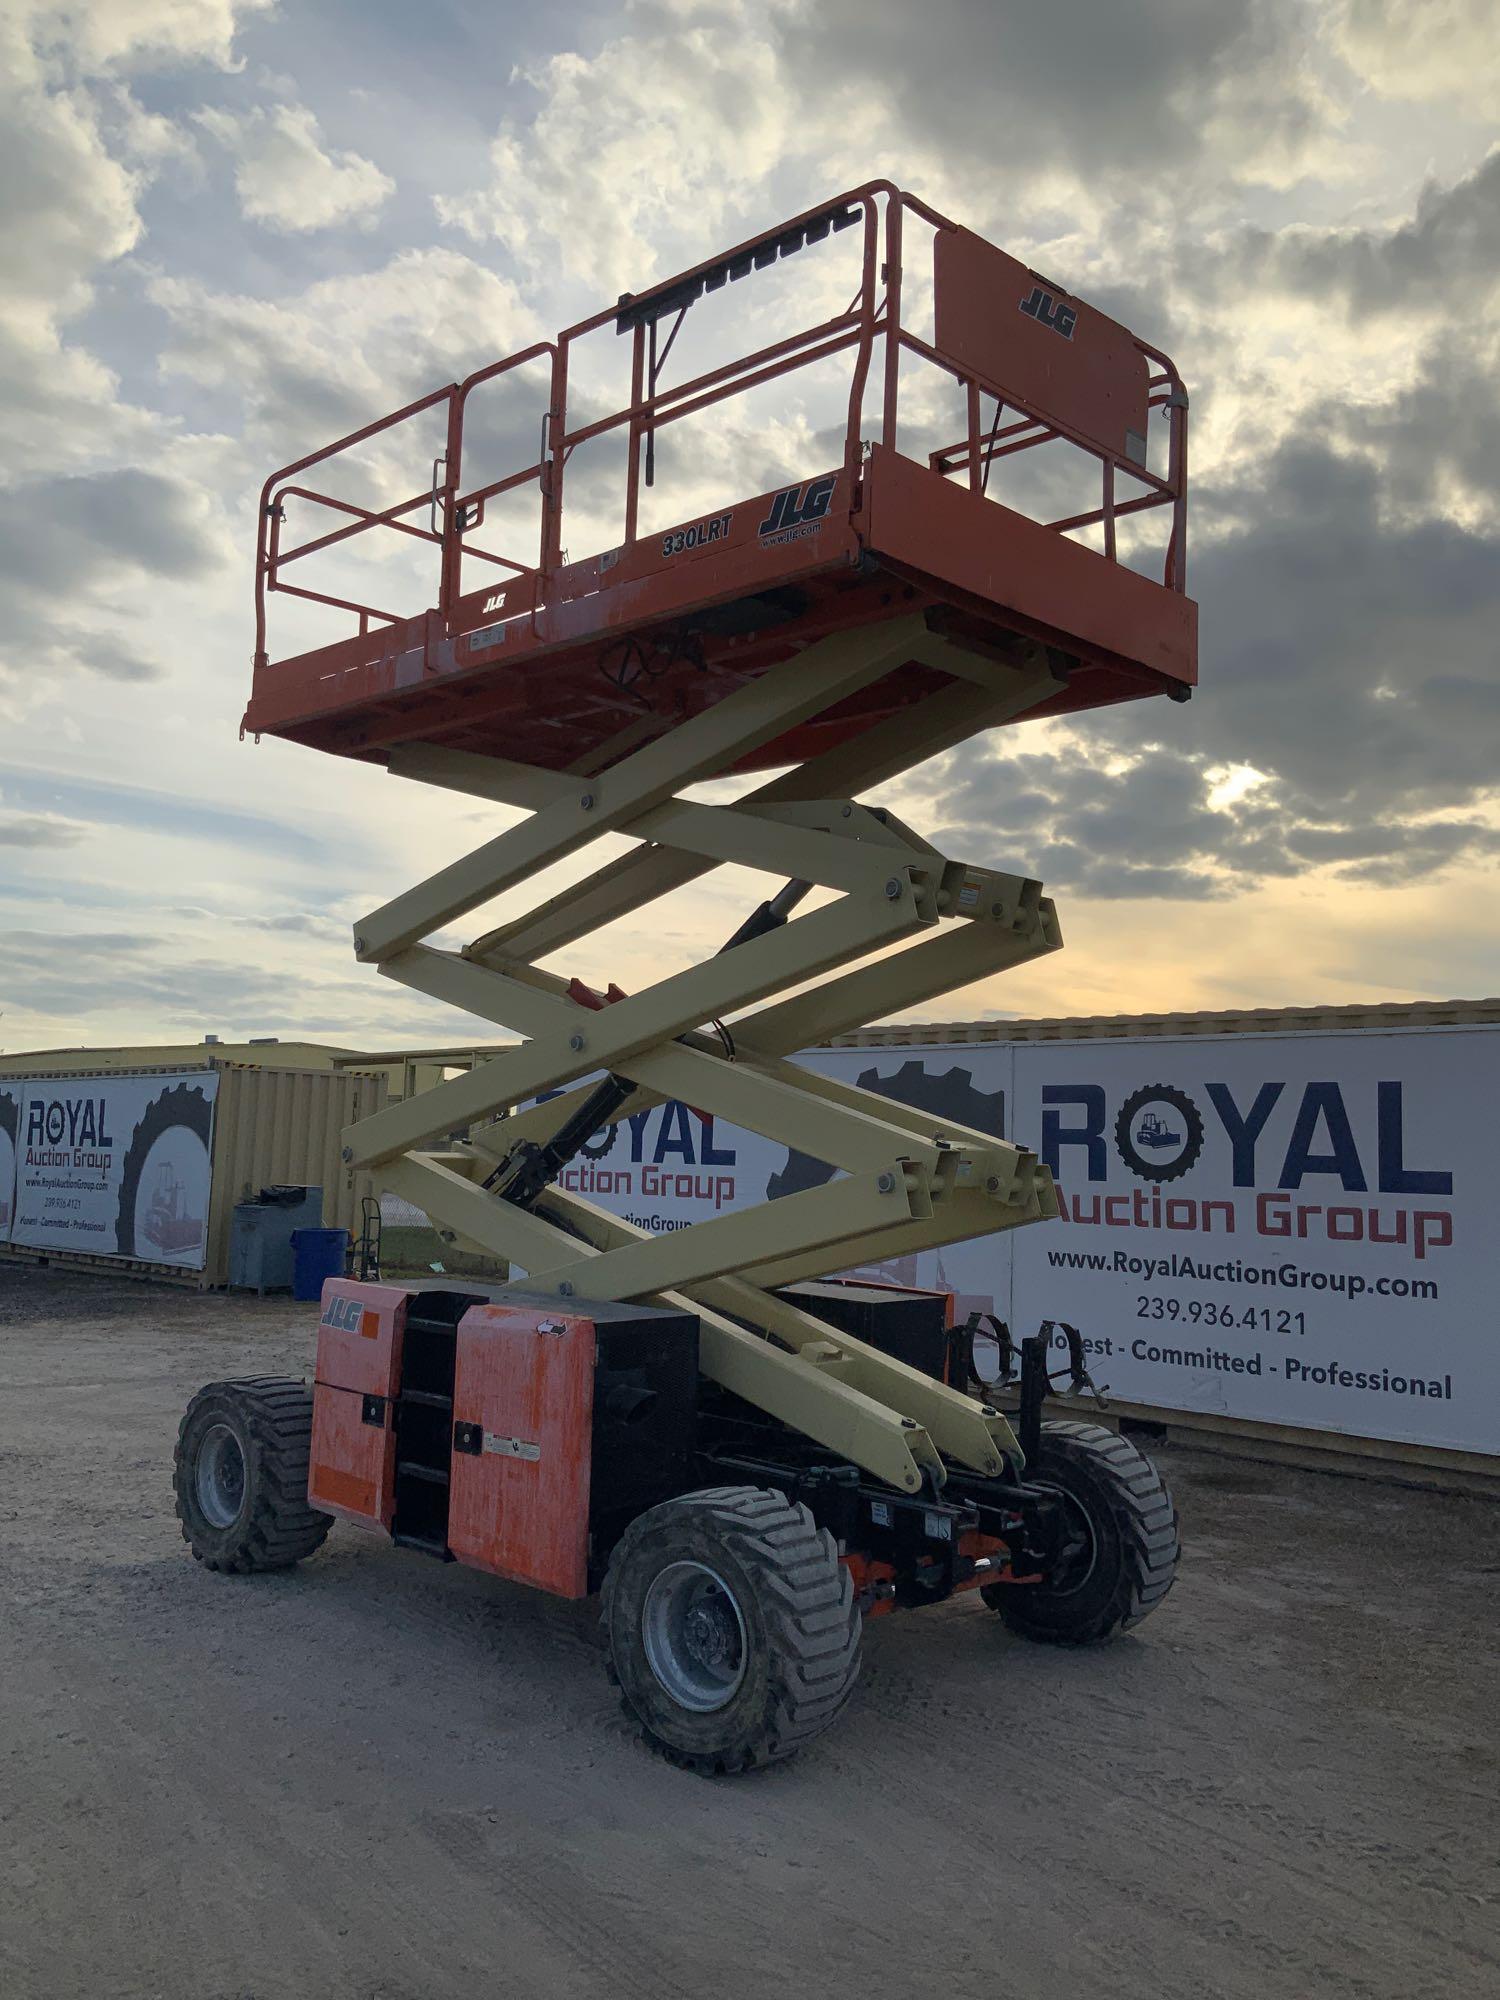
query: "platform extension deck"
568, 664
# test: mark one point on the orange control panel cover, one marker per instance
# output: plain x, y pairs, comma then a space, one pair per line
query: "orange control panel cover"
353, 1460
523, 1407
352, 1469
359, 1336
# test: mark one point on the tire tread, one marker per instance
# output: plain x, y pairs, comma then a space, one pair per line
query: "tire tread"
283, 1528
806, 1597
1145, 1518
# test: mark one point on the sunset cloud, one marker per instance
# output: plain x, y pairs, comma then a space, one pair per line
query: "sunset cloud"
232, 232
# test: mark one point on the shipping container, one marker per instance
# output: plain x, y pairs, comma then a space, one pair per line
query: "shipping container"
1215, 1021
260, 1052
103, 1132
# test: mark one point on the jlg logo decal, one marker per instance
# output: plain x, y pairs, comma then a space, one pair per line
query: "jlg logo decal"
1045, 310
348, 1316
796, 511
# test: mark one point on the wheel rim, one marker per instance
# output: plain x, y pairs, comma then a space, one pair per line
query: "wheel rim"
694, 1636
1071, 1576
219, 1476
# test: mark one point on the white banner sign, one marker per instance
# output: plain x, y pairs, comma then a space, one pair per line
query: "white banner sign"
114, 1166
1296, 1229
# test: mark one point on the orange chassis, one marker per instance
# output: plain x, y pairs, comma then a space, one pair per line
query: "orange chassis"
521, 1438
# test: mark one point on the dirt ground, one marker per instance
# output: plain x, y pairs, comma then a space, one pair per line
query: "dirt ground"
378, 1778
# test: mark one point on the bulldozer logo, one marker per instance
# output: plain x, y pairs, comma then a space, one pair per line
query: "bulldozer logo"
796, 511
1045, 310
169, 1222
1159, 1132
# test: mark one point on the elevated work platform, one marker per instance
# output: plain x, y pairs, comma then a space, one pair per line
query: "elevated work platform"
848, 623
567, 664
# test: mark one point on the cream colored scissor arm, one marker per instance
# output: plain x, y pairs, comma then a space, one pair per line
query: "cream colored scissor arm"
904, 925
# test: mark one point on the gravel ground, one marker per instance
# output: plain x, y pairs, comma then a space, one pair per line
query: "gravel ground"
377, 1778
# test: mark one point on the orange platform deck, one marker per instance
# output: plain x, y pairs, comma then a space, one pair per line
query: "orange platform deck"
568, 665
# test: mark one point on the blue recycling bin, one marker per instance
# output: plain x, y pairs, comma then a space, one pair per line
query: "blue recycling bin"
317, 1254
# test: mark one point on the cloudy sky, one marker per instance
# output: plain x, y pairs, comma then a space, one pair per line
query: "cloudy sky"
234, 229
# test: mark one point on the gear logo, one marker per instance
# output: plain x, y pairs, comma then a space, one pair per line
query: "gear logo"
1159, 1132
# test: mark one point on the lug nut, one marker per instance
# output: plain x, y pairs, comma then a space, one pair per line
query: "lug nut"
893, 888
886, 1183
577, 1044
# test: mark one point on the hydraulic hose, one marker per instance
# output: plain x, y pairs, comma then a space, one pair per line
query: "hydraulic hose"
528, 1170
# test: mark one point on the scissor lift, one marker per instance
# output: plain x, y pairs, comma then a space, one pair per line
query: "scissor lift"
837, 630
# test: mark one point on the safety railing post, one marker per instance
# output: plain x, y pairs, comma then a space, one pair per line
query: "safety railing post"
554, 456
273, 552
264, 568
893, 212
1109, 508
854, 436
450, 571
1178, 477
633, 463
